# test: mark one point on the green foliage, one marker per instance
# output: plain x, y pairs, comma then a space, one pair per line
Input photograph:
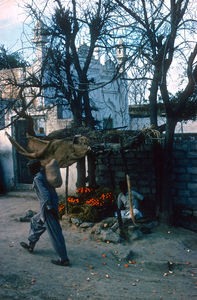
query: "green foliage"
11, 60
187, 109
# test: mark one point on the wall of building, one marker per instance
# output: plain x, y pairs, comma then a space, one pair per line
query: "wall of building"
137, 123
6, 159
53, 123
72, 179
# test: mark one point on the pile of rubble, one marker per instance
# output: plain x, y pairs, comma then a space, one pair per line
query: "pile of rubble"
108, 229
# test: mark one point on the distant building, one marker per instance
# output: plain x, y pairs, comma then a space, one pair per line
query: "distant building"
139, 116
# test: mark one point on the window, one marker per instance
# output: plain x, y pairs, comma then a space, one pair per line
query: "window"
39, 126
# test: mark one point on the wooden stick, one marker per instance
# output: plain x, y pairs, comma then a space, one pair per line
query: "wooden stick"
66, 202
130, 199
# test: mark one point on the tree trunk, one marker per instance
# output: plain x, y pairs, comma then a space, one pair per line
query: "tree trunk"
153, 98
89, 120
76, 109
81, 173
166, 204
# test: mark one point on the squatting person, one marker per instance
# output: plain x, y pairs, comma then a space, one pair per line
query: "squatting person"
123, 202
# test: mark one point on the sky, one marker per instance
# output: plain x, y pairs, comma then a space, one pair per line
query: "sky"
11, 20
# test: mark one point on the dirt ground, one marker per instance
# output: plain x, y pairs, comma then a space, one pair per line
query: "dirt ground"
98, 269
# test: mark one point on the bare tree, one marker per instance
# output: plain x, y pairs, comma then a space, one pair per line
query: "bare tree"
161, 36
64, 69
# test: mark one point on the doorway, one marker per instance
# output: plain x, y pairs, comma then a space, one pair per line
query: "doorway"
22, 174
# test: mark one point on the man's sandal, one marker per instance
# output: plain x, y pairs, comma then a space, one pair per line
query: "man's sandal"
26, 246
59, 262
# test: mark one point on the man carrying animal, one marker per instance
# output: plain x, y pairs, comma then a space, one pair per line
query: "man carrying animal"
47, 219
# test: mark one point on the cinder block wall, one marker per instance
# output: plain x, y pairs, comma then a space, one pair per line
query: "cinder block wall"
111, 169
185, 171
142, 172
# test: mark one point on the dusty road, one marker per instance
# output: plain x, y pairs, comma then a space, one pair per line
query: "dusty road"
98, 269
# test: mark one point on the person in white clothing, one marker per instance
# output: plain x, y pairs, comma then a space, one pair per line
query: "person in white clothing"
123, 202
